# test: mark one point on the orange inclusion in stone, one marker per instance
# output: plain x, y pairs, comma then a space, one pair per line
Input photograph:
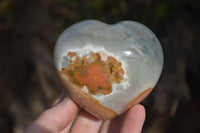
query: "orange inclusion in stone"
96, 77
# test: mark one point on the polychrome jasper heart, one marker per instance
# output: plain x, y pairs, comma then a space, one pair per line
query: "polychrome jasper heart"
105, 68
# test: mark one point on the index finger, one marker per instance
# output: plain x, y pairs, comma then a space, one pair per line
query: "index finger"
55, 119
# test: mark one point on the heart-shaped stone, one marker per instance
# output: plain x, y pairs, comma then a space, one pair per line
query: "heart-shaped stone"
105, 68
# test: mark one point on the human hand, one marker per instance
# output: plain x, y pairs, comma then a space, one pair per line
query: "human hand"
59, 119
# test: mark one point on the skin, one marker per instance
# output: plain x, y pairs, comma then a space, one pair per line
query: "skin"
59, 119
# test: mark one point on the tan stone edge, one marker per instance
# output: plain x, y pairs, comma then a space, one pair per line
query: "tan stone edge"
138, 99
84, 100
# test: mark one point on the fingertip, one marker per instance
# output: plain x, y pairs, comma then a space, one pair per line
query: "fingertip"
138, 109
134, 119
59, 116
63, 95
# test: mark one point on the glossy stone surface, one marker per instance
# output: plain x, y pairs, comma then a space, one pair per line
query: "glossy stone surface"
132, 44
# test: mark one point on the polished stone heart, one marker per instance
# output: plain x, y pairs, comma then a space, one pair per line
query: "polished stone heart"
107, 69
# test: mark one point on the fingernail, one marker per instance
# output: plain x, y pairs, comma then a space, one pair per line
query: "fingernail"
56, 102
64, 100
61, 99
